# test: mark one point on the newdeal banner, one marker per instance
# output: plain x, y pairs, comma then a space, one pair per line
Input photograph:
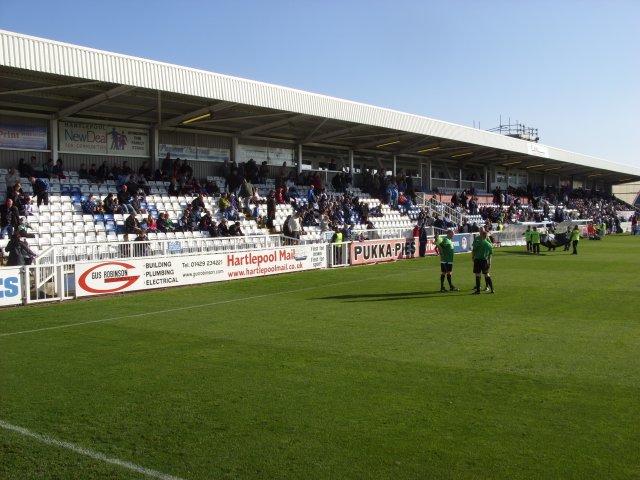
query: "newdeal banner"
114, 276
375, 251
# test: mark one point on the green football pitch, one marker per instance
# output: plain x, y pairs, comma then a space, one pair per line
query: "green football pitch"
366, 372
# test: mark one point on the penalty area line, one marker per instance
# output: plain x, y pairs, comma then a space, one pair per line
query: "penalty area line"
86, 452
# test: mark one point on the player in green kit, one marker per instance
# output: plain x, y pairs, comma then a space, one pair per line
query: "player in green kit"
482, 254
445, 249
476, 240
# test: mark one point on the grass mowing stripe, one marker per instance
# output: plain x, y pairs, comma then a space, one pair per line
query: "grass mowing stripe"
86, 452
210, 304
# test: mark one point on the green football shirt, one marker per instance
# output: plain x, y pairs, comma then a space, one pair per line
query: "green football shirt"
446, 250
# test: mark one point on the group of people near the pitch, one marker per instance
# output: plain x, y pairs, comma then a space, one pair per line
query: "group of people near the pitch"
481, 254
533, 238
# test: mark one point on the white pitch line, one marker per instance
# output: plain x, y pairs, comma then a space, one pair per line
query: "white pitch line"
86, 452
188, 307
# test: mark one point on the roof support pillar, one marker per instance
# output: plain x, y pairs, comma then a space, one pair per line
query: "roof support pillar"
460, 178
351, 162
53, 128
299, 169
395, 166
234, 149
486, 179
155, 148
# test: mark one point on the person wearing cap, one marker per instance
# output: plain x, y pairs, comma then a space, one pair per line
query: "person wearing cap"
445, 249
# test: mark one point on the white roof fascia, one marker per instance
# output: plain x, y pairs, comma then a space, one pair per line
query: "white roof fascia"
52, 57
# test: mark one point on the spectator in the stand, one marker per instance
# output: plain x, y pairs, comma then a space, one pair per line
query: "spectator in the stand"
246, 193
235, 230
337, 182
152, 224
234, 181
143, 247
164, 223
25, 169
110, 204
40, 189
263, 173
9, 218
12, 178
251, 171
167, 164
83, 172
17, 195
223, 228
213, 229
102, 173
225, 170
137, 201
131, 224
124, 199
58, 170
19, 251
173, 190
90, 207
204, 222
294, 225
271, 209
438, 222
198, 202
145, 170
223, 202
231, 212
47, 169
281, 176
126, 169
124, 249
161, 175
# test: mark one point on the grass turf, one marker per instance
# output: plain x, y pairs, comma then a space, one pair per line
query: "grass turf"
365, 372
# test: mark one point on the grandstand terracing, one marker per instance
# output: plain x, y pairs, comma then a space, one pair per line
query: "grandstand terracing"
63, 224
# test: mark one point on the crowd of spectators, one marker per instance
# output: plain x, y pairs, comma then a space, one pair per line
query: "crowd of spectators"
338, 210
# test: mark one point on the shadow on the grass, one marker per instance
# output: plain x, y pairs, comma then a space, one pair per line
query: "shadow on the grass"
525, 253
388, 297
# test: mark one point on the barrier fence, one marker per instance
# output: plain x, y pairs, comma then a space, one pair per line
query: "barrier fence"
73, 271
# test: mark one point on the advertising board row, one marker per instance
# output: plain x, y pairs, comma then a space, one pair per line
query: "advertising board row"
376, 251
96, 278
10, 286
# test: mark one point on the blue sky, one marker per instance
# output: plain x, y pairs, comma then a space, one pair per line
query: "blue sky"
570, 68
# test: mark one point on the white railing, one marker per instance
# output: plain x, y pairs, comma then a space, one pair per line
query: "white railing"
433, 207
158, 248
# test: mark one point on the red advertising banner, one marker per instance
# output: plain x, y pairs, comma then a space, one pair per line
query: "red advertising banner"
376, 251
